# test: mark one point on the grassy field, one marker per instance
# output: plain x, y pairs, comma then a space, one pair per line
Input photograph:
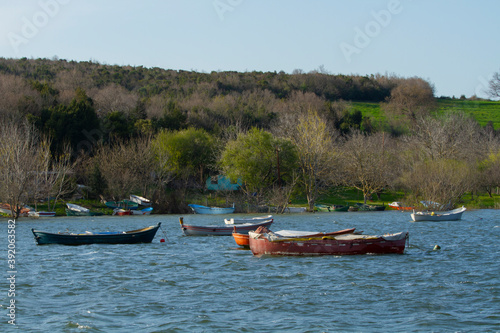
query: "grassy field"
482, 111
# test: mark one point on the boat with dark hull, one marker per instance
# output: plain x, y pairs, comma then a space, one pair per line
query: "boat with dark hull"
217, 230
144, 235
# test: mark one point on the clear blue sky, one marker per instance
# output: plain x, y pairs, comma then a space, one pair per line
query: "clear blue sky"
454, 44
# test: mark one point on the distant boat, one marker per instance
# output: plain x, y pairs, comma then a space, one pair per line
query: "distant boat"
141, 201
145, 211
144, 235
225, 230
399, 206
247, 220
6, 209
295, 210
340, 208
124, 204
322, 208
265, 242
122, 212
41, 214
199, 209
450, 215
76, 210
371, 208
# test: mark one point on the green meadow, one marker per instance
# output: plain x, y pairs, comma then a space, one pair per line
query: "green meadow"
481, 110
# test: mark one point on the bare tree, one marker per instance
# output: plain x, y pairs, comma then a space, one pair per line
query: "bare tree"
127, 167
54, 174
442, 157
316, 154
411, 98
494, 90
367, 162
441, 181
114, 98
452, 135
19, 158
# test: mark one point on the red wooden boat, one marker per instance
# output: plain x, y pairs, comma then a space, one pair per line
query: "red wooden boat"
265, 242
243, 239
399, 206
122, 212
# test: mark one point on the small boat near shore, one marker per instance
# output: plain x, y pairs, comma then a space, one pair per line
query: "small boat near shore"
265, 242
322, 208
247, 220
450, 215
369, 208
199, 209
217, 230
76, 210
122, 212
124, 204
33, 213
340, 208
144, 235
144, 211
141, 201
399, 206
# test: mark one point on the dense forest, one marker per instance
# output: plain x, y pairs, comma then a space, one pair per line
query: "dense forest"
158, 132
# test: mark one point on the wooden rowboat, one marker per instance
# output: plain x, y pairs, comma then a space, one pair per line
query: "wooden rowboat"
122, 212
244, 239
265, 242
241, 239
215, 230
144, 235
451, 215
248, 220
76, 210
199, 209
141, 201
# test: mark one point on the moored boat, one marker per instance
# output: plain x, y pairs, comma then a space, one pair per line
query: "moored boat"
141, 201
450, 215
124, 204
122, 212
216, 230
247, 220
322, 208
199, 209
76, 210
70, 212
241, 239
6, 209
399, 206
370, 208
244, 239
145, 211
144, 235
33, 213
265, 242
340, 208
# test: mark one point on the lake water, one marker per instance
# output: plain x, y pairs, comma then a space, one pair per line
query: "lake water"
208, 284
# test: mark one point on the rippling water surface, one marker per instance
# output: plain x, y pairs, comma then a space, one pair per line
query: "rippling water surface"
208, 284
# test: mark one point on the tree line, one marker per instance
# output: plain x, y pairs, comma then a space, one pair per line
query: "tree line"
160, 133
